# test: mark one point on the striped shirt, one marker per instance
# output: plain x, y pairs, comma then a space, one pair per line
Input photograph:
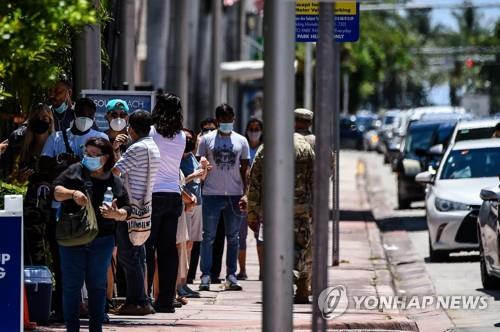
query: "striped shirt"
134, 164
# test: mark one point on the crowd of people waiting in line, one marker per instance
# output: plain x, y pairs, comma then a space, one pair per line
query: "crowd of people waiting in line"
157, 199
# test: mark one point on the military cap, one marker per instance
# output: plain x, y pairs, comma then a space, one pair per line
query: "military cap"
303, 114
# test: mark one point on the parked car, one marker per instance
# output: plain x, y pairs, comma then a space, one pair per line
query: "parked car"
351, 137
488, 230
422, 147
452, 198
388, 133
478, 129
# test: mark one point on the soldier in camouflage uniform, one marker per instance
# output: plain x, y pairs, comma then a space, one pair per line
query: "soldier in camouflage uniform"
304, 159
303, 123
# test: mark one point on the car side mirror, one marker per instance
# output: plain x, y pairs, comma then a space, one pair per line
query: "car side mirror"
490, 194
437, 149
424, 177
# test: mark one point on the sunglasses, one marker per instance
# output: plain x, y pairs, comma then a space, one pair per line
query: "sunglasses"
206, 130
115, 115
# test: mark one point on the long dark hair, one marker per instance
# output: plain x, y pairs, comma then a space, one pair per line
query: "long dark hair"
261, 125
30, 137
167, 115
106, 149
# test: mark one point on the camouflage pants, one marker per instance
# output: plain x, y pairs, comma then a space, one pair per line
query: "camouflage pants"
36, 247
302, 246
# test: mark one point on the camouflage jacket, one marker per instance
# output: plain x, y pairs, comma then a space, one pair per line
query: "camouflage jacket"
304, 164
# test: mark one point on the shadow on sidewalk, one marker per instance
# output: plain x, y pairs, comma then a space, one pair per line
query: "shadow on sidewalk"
402, 223
361, 215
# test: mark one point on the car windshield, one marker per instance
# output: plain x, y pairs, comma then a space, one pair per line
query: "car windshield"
420, 138
475, 163
364, 121
476, 133
388, 120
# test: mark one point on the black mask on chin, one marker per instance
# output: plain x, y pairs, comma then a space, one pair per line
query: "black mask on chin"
40, 126
189, 146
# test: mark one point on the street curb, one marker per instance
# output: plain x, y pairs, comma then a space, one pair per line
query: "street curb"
409, 274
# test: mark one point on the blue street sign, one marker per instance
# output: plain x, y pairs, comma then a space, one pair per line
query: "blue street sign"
307, 21
11, 265
135, 100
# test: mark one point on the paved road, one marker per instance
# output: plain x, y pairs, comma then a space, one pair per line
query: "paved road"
459, 276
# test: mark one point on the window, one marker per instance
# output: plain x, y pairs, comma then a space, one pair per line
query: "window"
475, 163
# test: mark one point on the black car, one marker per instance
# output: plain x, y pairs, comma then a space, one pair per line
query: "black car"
423, 146
351, 137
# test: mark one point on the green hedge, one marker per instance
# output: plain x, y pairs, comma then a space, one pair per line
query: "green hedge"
10, 189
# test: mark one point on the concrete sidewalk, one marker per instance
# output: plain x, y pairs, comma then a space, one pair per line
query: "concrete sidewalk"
363, 271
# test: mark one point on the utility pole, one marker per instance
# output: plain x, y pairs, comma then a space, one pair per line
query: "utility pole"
308, 76
88, 57
279, 101
127, 44
336, 151
157, 41
183, 42
322, 166
216, 54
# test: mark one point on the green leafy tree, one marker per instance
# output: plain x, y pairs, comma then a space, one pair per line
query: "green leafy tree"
35, 39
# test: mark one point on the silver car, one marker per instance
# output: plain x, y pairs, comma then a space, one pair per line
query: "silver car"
452, 195
489, 239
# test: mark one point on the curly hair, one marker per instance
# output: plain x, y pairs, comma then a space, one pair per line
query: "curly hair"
167, 115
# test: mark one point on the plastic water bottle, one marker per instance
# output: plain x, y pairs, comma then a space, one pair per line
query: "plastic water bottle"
108, 197
261, 233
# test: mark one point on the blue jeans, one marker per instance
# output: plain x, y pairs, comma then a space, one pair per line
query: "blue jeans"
89, 264
133, 260
213, 206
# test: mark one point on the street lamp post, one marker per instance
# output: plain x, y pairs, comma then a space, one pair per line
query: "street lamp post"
279, 159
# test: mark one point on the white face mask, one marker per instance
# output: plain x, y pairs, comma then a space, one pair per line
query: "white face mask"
83, 123
254, 136
118, 124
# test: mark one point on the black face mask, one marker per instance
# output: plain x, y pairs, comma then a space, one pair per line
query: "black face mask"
189, 146
40, 126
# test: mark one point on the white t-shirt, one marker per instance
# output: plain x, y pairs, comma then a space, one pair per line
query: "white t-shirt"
171, 151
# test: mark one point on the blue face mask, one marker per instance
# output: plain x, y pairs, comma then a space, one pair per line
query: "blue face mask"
92, 163
226, 128
62, 108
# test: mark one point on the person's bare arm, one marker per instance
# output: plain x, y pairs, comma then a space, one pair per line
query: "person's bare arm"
243, 172
63, 194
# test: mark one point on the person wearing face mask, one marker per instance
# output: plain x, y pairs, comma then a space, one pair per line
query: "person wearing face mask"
61, 150
229, 155
139, 166
61, 103
195, 173
255, 139
82, 183
71, 141
23, 152
118, 117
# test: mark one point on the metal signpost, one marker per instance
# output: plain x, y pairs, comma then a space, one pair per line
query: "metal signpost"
135, 99
279, 159
328, 23
322, 165
11, 264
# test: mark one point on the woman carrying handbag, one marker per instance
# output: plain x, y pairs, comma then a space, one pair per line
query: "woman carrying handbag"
92, 200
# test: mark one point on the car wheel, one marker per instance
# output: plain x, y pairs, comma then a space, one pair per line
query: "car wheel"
488, 281
437, 255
